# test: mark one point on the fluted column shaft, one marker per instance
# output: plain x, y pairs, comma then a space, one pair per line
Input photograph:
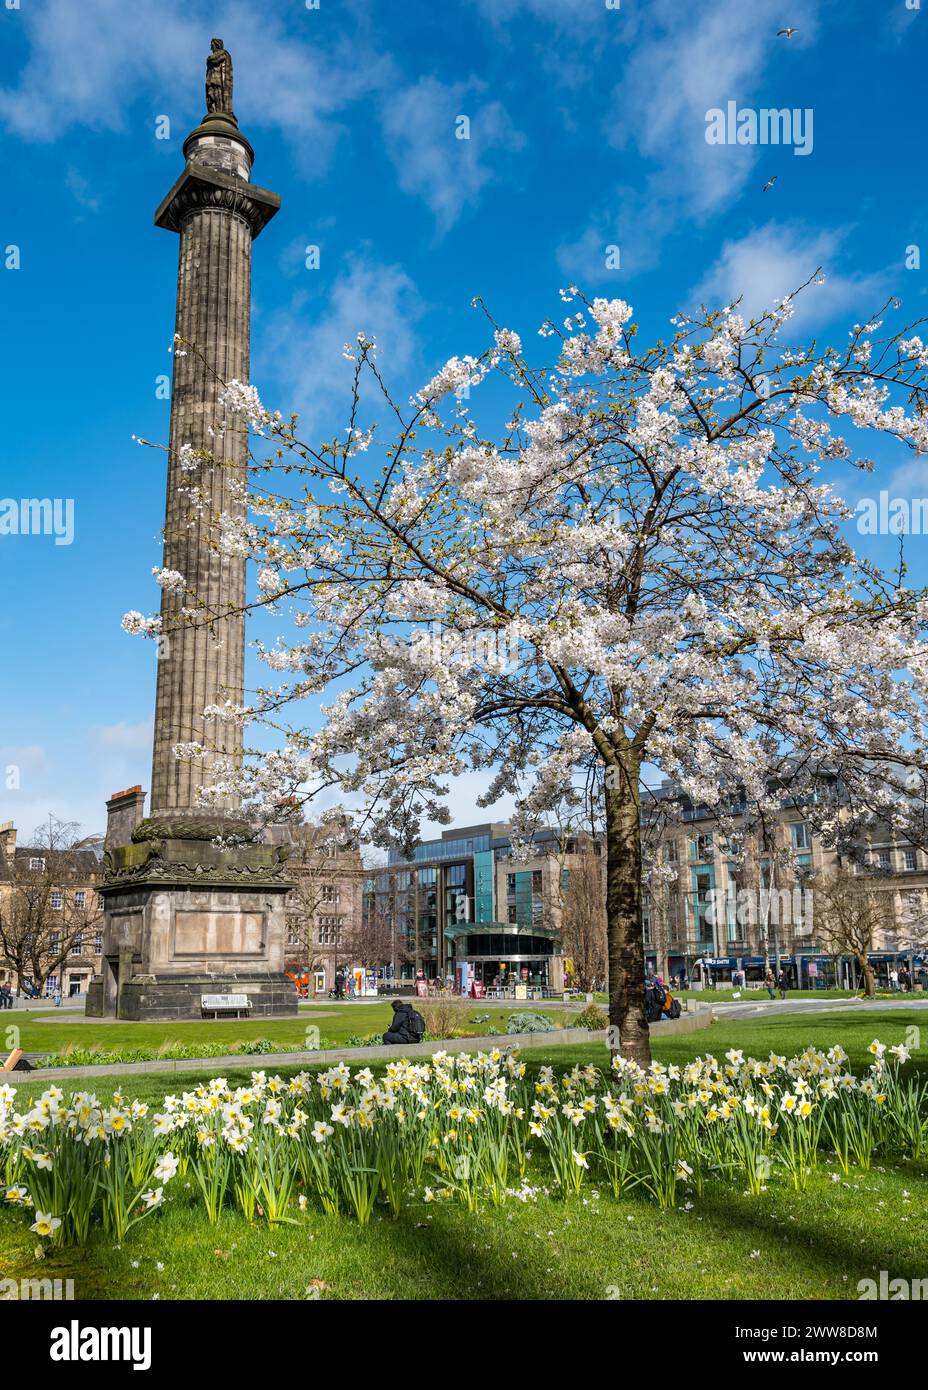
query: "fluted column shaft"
203, 663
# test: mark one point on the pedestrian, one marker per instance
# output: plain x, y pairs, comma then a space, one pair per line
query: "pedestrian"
407, 1026
770, 982
783, 982
6, 996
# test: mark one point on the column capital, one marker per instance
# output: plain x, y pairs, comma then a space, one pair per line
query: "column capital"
201, 188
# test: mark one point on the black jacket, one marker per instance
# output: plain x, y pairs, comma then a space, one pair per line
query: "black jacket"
408, 1025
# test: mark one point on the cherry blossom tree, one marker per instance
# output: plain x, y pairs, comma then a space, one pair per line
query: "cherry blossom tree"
639, 558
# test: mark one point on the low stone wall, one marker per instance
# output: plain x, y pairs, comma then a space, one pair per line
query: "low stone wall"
261, 1061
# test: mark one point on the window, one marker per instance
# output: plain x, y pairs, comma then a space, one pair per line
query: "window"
80, 900
98, 943
800, 835
38, 865
328, 930
101, 902
884, 859
329, 893
54, 940
56, 901
701, 847
77, 946
910, 858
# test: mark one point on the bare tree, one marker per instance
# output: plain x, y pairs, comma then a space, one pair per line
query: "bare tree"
318, 877
43, 920
583, 915
373, 941
848, 916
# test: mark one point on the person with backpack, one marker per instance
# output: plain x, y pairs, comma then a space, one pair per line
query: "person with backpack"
407, 1026
769, 981
783, 982
655, 997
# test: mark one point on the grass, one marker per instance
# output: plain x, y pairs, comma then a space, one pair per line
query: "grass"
336, 1023
728, 1246
785, 1033
816, 1246
726, 994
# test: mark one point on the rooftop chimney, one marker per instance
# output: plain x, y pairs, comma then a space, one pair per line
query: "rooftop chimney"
124, 811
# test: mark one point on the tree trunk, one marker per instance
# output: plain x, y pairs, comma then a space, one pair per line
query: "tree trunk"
869, 981
627, 1020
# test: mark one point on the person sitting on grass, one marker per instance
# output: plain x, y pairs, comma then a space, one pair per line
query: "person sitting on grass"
407, 1026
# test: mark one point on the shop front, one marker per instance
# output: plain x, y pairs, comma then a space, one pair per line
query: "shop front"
500, 960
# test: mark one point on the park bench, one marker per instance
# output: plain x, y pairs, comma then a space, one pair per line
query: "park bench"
216, 1004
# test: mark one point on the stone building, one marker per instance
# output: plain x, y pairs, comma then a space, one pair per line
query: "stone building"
323, 909
719, 915
52, 894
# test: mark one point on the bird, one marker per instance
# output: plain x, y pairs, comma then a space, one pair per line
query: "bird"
786, 33
769, 183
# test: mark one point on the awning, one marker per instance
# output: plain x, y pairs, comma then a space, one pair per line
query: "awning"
455, 930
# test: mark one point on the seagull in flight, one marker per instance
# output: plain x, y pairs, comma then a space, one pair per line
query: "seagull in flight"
769, 183
786, 33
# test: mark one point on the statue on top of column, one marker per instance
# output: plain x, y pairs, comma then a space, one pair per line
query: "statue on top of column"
219, 79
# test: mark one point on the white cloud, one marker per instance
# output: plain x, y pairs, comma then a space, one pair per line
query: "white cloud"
91, 63
560, 13
774, 260
419, 125
303, 346
910, 480
697, 60
123, 737
683, 62
461, 801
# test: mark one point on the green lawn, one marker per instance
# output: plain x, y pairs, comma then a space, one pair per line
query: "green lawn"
816, 1246
786, 1034
725, 994
729, 1245
40, 1031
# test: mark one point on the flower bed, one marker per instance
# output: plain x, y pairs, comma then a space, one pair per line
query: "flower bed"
73, 1056
465, 1128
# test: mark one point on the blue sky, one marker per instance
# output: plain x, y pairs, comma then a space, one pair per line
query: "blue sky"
587, 130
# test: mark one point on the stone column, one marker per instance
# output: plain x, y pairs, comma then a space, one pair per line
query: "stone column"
189, 910
217, 211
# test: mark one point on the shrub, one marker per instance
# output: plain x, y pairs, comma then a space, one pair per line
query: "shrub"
530, 1023
592, 1017
441, 1018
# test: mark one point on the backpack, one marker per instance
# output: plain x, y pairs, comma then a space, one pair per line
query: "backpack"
416, 1025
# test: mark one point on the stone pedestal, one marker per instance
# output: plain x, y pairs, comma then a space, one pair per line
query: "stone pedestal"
185, 918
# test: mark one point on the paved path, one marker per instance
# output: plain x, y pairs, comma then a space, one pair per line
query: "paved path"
752, 1008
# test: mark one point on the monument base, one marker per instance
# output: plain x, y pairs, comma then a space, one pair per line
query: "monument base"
186, 916
150, 999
